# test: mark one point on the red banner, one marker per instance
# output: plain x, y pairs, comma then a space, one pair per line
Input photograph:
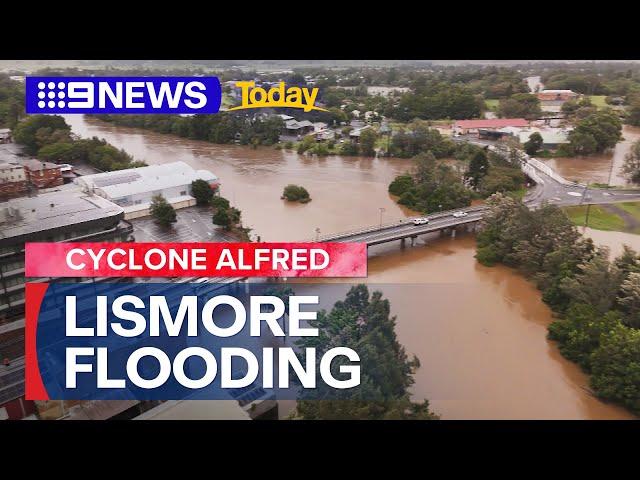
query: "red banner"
104, 259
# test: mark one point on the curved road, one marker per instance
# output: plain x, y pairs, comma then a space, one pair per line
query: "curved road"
550, 188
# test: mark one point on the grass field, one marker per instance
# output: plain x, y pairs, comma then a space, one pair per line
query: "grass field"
605, 218
598, 100
599, 218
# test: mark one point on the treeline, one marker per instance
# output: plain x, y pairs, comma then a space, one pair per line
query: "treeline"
48, 137
11, 101
220, 128
434, 186
597, 300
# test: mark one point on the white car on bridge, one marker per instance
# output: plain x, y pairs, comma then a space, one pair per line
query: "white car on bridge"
460, 214
420, 221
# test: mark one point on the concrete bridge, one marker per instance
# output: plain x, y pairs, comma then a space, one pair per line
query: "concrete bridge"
550, 188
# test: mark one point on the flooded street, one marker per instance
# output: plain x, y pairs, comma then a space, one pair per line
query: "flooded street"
598, 168
480, 333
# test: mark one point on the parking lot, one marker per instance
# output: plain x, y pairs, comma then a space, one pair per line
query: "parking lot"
193, 225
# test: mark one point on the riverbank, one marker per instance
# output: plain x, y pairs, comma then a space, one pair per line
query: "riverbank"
479, 332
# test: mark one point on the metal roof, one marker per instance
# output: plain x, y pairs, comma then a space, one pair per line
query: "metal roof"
49, 211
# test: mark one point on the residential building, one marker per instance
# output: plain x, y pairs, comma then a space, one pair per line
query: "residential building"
293, 127
552, 100
13, 179
472, 127
133, 189
355, 134
42, 174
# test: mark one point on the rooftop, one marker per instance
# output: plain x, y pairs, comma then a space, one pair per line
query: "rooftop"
49, 211
492, 123
33, 164
121, 183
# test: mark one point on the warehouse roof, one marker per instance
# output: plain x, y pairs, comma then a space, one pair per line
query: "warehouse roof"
121, 183
24, 216
492, 123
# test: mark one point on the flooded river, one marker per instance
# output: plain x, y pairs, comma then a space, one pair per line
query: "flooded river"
480, 333
598, 168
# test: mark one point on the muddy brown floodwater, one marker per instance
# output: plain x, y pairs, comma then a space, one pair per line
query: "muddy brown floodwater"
480, 333
598, 168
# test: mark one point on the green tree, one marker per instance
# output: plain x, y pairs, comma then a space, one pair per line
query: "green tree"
629, 299
597, 283
604, 127
478, 168
296, 193
36, 131
401, 184
368, 139
201, 191
631, 165
363, 322
534, 143
162, 211
615, 367
218, 202
633, 112
519, 105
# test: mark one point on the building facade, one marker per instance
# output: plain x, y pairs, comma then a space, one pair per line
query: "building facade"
42, 174
13, 179
51, 217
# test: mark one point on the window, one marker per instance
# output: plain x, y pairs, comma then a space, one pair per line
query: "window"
183, 193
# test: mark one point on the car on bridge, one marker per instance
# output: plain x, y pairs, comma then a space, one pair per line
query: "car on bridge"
460, 214
420, 221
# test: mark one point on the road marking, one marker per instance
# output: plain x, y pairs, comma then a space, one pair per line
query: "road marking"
574, 194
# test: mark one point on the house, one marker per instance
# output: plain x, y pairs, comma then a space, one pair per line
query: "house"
293, 127
13, 179
42, 174
552, 100
355, 134
472, 127
556, 95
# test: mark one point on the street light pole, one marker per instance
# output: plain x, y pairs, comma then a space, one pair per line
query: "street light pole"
611, 169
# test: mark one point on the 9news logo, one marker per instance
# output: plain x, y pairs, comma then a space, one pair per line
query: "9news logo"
122, 95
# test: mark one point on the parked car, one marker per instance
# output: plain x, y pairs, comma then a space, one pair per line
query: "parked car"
420, 221
460, 214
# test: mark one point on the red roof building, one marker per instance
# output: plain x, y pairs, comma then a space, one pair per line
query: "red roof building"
463, 127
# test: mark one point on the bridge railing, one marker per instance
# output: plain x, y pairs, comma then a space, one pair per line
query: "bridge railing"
391, 225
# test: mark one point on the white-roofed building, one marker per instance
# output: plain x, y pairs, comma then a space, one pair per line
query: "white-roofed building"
134, 188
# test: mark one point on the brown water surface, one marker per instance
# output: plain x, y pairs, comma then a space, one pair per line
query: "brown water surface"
598, 168
480, 333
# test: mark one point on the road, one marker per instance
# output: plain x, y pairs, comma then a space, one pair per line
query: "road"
550, 188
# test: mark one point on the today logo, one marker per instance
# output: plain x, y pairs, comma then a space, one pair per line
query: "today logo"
291, 97
113, 95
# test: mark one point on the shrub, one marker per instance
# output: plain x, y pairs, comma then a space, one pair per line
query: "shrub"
296, 193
